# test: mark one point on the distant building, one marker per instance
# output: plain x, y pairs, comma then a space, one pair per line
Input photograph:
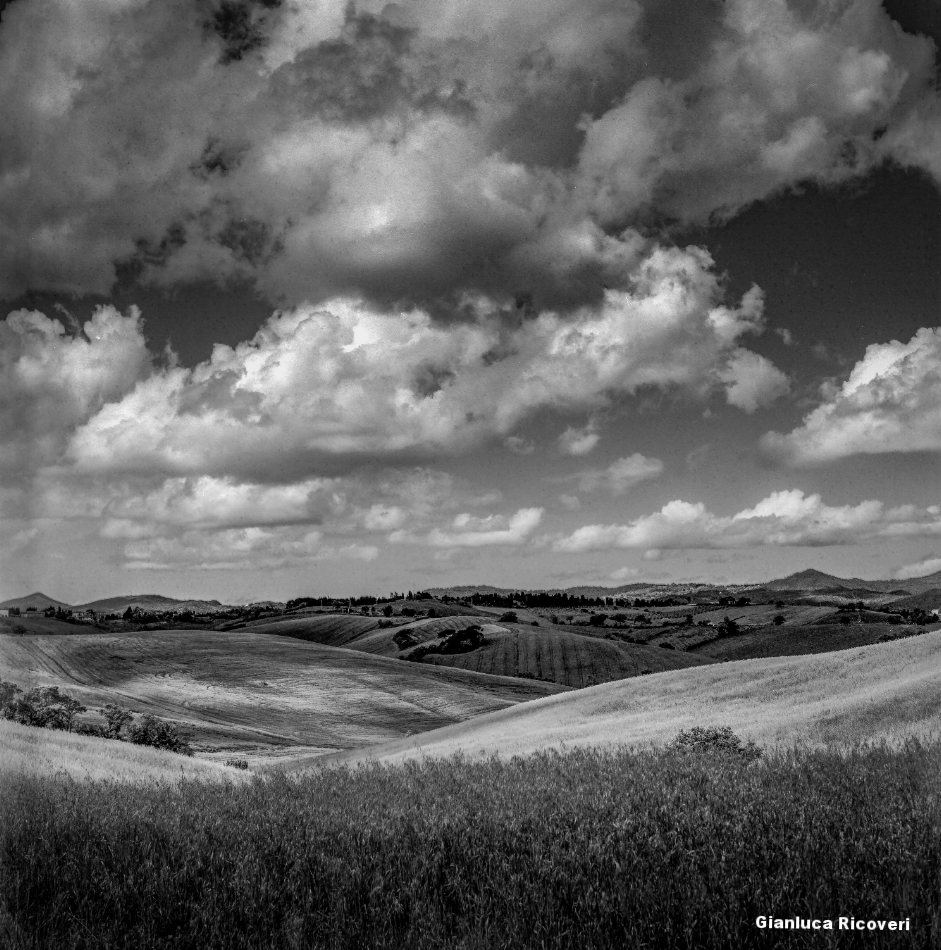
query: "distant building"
4, 611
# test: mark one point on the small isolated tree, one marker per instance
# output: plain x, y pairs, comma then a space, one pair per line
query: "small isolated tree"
509, 617
116, 718
598, 620
778, 620
387, 610
718, 740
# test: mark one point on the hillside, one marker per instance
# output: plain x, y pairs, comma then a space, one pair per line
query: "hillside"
888, 691
262, 694
37, 600
46, 752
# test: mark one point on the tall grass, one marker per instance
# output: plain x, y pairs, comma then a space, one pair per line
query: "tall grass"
575, 850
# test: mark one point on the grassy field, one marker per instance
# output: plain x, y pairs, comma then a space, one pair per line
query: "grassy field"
258, 694
797, 641
888, 691
583, 851
17, 626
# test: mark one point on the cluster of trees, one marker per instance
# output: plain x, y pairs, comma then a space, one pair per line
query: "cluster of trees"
48, 708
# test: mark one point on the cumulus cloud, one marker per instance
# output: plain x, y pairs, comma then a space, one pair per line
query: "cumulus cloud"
425, 149
784, 518
579, 441
928, 565
345, 380
891, 402
52, 381
752, 381
467, 531
619, 476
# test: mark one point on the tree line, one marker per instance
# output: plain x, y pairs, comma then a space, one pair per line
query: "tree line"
46, 707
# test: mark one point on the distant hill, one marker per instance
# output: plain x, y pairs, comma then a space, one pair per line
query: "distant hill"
117, 605
927, 600
37, 600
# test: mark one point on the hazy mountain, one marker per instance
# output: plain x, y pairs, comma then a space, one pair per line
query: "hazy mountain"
37, 600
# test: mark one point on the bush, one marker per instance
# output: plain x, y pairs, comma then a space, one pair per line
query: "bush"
719, 740
598, 620
160, 734
509, 617
237, 764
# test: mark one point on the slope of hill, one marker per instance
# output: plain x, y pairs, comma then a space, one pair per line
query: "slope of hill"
244, 690
801, 641
888, 691
332, 630
37, 600
47, 626
927, 600
45, 752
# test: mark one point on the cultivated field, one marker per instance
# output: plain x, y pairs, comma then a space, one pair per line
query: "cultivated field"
256, 693
560, 656
888, 691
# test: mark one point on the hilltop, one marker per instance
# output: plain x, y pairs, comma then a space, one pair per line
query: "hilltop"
38, 600
148, 602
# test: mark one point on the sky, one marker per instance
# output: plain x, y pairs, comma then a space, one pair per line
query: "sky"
311, 297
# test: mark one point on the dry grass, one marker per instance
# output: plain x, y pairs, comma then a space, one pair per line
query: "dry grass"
29, 751
884, 692
249, 692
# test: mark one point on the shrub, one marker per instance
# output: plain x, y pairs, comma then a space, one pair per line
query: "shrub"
237, 764
719, 740
160, 734
509, 617
42, 706
778, 620
408, 612
598, 620
387, 610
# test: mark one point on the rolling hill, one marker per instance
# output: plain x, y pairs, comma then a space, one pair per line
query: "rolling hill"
259, 694
889, 691
548, 652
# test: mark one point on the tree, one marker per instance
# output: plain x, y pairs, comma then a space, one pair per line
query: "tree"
387, 610
116, 718
778, 620
509, 617
46, 707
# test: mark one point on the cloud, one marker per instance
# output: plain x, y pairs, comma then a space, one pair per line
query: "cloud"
426, 150
619, 476
624, 573
784, 518
579, 441
929, 565
347, 381
467, 531
752, 381
570, 502
52, 381
891, 402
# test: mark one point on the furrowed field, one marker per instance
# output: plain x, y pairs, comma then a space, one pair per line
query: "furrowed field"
583, 849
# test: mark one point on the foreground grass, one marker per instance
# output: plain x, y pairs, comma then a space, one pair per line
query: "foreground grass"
581, 850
